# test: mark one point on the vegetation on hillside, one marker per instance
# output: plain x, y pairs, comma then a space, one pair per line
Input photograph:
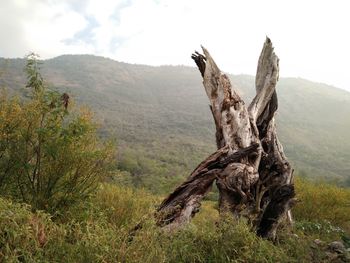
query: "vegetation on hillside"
62, 201
160, 116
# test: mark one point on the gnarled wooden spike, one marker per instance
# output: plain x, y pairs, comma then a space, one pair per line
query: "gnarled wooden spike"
265, 81
229, 110
274, 169
233, 129
251, 171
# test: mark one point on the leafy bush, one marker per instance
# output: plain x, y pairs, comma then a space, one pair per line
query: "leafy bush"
49, 157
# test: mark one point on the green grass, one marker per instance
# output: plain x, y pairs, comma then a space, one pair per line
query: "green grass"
98, 230
323, 203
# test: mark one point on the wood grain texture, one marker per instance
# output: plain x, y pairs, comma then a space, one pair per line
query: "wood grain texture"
251, 171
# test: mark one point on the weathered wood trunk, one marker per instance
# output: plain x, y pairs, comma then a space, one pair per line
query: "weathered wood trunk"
251, 171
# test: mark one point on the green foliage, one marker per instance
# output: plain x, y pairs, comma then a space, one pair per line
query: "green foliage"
154, 168
124, 206
320, 229
24, 235
161, 118
322, 203
49, 157
34, 78
346, 240
99, 230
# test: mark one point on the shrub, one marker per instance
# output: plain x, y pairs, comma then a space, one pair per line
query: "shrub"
50, 157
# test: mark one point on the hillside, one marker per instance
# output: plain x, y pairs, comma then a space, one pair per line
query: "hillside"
161, 119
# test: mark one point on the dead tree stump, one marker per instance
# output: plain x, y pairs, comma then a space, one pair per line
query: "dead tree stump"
250, 169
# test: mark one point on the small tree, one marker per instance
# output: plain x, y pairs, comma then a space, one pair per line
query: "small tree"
50, 156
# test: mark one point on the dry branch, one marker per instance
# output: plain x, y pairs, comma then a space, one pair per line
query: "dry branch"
181, 205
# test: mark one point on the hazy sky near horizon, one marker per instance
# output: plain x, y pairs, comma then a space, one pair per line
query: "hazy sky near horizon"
310, 37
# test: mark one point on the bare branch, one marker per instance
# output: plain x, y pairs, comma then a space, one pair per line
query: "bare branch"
266, 79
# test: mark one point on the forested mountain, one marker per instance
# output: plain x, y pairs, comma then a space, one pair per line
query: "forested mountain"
163, 126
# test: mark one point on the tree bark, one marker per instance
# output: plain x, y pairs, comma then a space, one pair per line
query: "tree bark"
181, 205
251, 171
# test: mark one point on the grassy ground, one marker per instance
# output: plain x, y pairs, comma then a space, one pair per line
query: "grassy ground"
98, 230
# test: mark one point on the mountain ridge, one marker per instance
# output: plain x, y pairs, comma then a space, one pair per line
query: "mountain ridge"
190, 67
64, 56
167, 105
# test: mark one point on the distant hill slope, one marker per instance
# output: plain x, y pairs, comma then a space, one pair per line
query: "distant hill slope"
165, 110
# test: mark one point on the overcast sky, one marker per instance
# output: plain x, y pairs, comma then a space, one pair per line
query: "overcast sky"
311, 38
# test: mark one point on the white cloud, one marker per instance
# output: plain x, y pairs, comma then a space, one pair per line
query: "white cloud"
39, 26
311, 37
